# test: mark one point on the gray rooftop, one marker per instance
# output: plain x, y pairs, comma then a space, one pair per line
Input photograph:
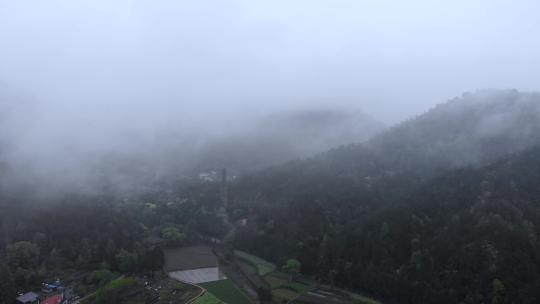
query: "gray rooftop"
28, 297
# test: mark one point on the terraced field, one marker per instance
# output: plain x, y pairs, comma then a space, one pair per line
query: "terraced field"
302, 290
282, 289
263, 267
281, 294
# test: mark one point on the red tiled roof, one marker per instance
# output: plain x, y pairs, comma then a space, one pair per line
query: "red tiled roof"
52, 300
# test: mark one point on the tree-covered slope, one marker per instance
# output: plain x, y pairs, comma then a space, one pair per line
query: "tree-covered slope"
472, 130
432, 211
448, 242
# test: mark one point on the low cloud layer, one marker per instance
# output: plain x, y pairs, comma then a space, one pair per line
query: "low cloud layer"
150, 80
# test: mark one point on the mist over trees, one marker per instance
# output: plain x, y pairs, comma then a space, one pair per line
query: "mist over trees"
440, 208
308, 149
432, 210
47, 153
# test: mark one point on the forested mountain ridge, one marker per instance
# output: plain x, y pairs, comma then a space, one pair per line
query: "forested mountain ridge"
451, 240
472, 130
476, 128
440, 209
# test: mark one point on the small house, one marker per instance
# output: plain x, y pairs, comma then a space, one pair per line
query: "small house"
28, 298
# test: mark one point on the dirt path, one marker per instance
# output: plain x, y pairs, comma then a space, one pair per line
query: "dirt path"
202, 290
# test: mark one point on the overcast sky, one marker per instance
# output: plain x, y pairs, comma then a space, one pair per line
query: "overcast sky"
391, 58
94, 85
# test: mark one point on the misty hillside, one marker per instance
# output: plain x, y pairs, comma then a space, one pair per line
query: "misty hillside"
270, 152
442, 208
445, 243
476, 128
287, 136
136, 153
471, 130
428, 209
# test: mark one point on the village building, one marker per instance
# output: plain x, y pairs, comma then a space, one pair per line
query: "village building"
56, 299
28, 298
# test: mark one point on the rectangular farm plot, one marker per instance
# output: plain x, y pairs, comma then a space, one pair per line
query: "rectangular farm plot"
186, 258
199, 275
194, 264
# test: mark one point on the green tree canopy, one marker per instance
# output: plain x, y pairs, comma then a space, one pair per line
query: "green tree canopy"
292, 267
173, 236
23, 254
7, 282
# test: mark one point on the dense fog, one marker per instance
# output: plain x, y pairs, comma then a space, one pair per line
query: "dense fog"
269, 151
150, 88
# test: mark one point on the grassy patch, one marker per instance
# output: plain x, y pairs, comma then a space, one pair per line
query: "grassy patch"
248, 268
274, 281
123, 290
279, 280
297, 287
263, 267
281, 294
226, 291
358, 299
207, 298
